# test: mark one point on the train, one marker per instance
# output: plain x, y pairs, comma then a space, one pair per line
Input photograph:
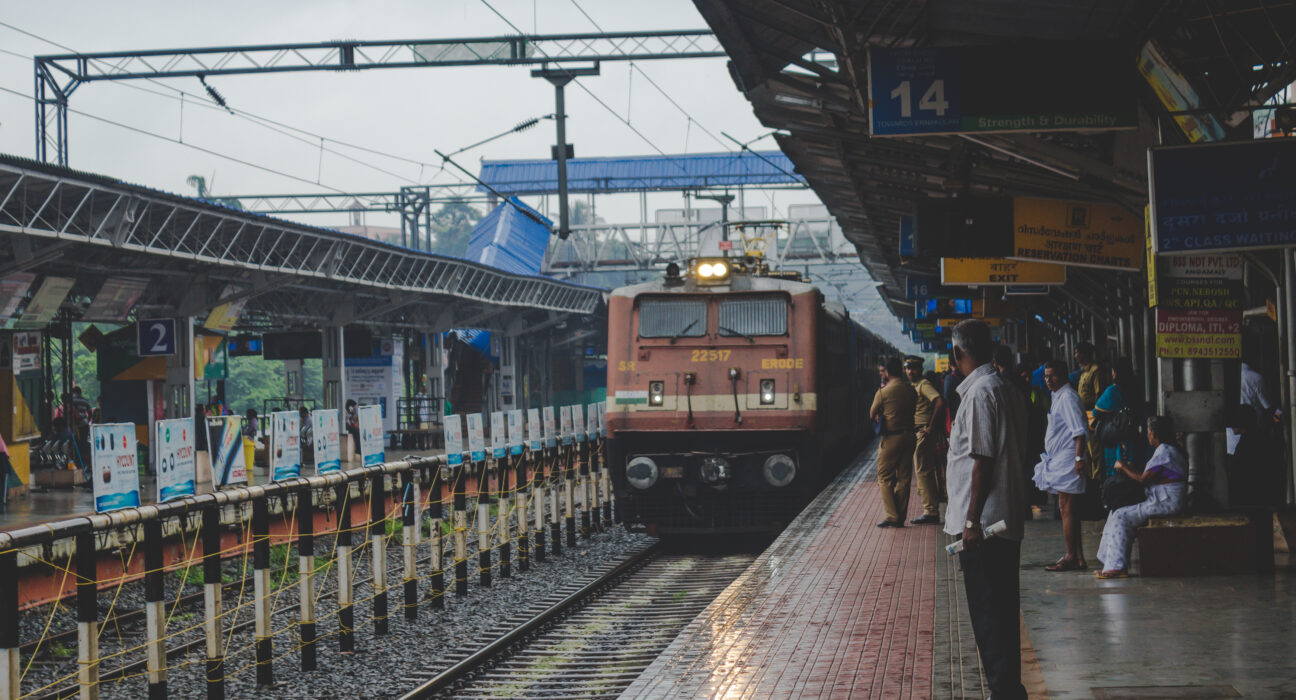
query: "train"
735, 393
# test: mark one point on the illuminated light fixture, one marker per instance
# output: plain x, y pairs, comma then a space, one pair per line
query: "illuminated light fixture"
704, 270
656, 393
767, 392
712, 271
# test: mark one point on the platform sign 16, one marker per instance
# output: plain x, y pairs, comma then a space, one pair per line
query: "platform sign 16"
156, 336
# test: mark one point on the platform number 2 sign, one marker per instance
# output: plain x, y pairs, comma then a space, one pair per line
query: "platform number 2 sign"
156, 337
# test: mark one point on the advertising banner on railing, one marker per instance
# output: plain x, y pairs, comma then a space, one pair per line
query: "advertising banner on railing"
176, 465
497, 434
325, 431
225, 440
476, 437
371, 435
550, 430
515, 438
578, 424
285, 445
593, 426
565, 424
535, 438
453, 429
602, 409
115, 469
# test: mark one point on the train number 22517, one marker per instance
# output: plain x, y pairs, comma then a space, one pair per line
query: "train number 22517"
711, 355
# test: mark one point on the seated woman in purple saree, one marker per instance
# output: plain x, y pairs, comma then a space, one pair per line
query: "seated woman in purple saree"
1164, 479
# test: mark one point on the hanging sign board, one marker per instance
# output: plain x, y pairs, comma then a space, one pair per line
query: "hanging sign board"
225, 316
453, 440
285, 445
515, 437
975, 272
42, 307
535, 437
550, 430
371, 435
1199, 310
13, 288
26, 351
1223, 196
1026, 290
907, 247
156, 336
497, 435
325, 431
1077, 233
1203, 335
225, 439
115, 470
924, 287
476, 437
115, 299
1019, 86
176, 466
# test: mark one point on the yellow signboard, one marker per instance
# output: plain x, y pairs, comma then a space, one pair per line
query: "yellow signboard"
1077, 233
942, 363
1202, 335
1151, 262
999, 272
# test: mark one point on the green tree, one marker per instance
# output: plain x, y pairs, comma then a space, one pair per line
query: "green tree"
203, 188
452, 225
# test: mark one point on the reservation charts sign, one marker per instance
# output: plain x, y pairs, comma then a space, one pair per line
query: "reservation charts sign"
476, 437
976, 272
371, 434
285, 445
1203, 335
1025, 86
1224, 196
535, 436
578, 423
453, 428
497, 435
225, 438
550, 429
515, 436
176, 466
115, 471
328, 443
1076, 233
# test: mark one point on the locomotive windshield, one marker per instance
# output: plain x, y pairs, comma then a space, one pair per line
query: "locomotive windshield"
755, 315
672, 318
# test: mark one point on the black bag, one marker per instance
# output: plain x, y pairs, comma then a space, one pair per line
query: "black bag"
1119, 491
1114, 428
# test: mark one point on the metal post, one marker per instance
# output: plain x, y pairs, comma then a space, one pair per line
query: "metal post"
1289, 281
606, 479
483, 525
502, 473
1197, 445
460, 530
261, 589
306, 576
569, 482
582, 488
212, 605
378, 543
541, 498
346, 610
521, 489
409, 522
555, 512
155, 615
559, 77
438, 568
87, 617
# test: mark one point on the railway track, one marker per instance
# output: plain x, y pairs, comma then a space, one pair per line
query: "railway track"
591, 642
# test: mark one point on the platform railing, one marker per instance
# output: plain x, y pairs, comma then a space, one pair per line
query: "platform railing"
121, 599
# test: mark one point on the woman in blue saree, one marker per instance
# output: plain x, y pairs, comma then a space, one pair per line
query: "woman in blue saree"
1124, 393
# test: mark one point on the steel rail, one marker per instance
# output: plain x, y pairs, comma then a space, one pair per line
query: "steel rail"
498, 647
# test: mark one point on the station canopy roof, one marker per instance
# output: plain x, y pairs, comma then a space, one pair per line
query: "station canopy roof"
636, 173
803, 65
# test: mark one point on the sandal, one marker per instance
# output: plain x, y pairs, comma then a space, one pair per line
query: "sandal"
1114, 573
1064, 565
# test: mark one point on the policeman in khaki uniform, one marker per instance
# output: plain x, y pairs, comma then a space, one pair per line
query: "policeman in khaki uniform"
928, 426
894, 406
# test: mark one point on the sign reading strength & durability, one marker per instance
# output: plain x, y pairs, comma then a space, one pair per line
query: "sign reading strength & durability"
1077, 233
975, 272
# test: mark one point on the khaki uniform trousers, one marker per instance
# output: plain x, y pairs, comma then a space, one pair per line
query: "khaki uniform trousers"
927, 465
894, 467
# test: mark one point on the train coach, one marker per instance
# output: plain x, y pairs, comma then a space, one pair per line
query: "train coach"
735, 392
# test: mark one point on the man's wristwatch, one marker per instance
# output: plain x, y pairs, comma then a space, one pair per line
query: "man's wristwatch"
969, 525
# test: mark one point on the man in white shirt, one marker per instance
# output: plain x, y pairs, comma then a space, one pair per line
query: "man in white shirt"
987, 484
1063, 465
1254, 394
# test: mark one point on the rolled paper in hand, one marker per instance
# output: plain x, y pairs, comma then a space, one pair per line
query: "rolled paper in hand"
990, 531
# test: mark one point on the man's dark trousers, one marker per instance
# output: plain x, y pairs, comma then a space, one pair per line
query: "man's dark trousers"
990, 576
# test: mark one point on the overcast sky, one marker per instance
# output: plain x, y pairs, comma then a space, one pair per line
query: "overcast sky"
409, 112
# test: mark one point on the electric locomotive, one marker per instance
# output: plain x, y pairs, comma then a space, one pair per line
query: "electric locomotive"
735, 392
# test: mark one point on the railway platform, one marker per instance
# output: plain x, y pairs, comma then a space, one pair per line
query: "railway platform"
838, 608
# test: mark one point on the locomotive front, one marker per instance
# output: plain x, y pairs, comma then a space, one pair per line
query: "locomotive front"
712, 398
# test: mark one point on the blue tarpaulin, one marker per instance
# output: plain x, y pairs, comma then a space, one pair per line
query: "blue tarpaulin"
510, 240
634, 173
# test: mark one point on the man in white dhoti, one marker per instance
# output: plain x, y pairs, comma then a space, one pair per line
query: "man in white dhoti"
1063, 465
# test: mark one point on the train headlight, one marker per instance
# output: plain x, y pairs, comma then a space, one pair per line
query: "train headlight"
704, 270
767, 392
642, 473
779, 470
656, 393
714, 271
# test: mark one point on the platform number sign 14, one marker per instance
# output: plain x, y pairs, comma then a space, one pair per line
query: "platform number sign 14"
156, 336
933, 99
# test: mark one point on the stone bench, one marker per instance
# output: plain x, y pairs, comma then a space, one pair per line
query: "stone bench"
1201, 545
